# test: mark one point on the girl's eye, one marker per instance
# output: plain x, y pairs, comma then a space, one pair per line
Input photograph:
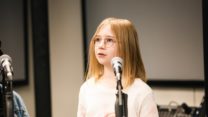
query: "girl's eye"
109, 40
97, 40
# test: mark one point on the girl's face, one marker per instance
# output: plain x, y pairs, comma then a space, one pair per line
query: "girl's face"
105, 45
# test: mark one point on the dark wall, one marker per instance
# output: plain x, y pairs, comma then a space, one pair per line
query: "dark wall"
39, 10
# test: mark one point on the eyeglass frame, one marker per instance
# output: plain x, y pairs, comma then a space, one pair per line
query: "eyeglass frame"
106, 41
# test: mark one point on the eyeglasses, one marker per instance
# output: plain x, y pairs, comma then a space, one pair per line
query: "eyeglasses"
108, 42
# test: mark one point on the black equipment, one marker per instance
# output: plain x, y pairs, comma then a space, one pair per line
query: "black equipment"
182, 110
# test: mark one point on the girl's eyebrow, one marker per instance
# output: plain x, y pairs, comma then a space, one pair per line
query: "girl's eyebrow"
110, 36
105, 36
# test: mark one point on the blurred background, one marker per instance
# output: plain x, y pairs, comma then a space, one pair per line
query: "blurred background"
48, 42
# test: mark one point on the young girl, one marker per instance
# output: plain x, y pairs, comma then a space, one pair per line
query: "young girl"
115, 38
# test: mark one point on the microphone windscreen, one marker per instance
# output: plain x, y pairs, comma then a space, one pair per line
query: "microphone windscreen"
117, 61
5, 57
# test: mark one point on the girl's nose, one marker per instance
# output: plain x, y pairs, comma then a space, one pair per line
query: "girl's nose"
102, 44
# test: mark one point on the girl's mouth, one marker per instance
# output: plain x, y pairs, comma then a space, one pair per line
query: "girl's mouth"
101, 55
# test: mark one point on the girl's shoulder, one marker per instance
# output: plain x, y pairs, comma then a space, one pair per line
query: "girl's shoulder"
89, 82
140, 86
141, 83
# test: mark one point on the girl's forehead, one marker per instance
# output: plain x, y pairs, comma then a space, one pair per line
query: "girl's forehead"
105, 30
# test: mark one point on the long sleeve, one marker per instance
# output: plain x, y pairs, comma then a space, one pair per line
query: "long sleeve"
20, 109
81, 106
141, 101
148, 107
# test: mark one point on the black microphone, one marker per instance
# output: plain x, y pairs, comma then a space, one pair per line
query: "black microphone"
117, 62
5, 63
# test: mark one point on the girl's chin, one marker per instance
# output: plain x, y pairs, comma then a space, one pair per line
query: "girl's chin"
103, 62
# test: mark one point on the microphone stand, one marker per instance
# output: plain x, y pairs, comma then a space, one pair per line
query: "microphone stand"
121, 100
7, 95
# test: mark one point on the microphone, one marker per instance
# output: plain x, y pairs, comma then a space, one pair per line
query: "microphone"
5, 63
116, 63
121, 98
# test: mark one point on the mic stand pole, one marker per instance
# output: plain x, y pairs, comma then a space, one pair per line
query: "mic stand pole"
121, 101
7, 95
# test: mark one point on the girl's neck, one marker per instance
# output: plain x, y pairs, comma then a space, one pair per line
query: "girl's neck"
108, 77
108, 73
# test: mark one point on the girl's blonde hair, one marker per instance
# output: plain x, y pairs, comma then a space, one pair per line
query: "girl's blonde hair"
128, 50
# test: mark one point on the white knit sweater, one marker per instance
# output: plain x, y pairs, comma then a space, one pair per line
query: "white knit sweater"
96, 100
